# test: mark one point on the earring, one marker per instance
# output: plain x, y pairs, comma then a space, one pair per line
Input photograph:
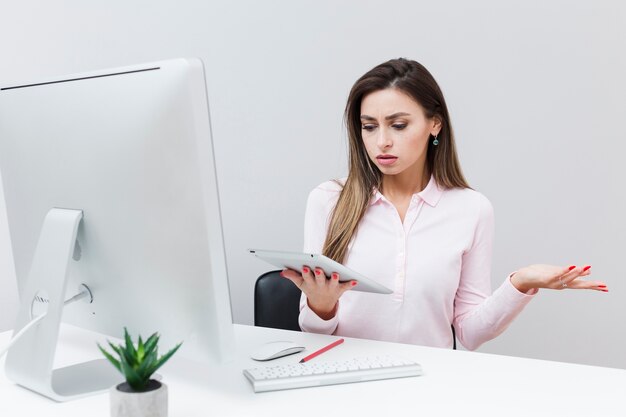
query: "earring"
435, 142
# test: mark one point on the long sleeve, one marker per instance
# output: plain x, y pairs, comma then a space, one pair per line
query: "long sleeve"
317, 215
478, 316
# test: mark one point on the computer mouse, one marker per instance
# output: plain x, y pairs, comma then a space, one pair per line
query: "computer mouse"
273, 350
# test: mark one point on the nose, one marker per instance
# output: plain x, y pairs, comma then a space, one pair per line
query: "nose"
384, 139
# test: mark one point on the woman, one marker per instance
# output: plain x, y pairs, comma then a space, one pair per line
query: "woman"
406, 217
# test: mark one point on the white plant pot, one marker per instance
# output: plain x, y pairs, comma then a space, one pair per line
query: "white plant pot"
128, 403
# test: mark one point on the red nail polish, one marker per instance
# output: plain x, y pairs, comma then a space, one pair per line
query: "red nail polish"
353, 283
305, 270
601, 286
572, 267
318, 272
586, 268
605, 290
335, 276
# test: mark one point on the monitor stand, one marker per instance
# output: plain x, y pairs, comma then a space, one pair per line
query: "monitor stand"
30, 360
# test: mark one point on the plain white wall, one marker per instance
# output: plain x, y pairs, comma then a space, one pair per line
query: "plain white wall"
536, 94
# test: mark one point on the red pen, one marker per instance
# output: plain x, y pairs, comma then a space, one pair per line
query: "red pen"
322, 350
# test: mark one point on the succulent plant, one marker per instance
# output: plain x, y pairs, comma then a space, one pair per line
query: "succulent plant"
137, 364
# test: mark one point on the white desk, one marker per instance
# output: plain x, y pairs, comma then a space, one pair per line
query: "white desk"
455, 383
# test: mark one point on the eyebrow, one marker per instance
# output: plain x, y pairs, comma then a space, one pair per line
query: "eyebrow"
390, 117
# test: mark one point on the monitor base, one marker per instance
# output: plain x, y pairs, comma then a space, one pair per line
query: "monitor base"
30, 360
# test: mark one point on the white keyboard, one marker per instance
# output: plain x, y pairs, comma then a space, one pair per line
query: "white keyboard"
315, 373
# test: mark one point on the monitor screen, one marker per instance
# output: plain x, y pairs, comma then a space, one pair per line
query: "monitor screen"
131, 148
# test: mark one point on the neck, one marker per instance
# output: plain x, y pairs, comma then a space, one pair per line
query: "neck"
406, 183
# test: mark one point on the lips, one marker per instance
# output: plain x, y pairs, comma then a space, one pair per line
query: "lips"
386, 159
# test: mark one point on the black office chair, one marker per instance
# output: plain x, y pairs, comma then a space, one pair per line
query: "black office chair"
276, 302
453, 338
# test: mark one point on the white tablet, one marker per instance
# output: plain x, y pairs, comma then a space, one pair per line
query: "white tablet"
296, 260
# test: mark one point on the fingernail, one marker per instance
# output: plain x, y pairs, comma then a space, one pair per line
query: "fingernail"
353, 283
586, 268
335, 276
281, 274
601, 286
318, 272
305, 270
572, 267
605, 290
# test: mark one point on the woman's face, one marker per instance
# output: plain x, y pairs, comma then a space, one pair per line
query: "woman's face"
395, 131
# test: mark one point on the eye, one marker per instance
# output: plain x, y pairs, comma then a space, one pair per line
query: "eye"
398, 126
368, 127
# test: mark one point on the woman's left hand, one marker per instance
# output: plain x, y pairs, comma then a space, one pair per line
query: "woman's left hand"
555, 277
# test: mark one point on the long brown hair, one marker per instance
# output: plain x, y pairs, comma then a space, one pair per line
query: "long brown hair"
364, 176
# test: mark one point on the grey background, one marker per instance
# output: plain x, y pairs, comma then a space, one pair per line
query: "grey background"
535, 89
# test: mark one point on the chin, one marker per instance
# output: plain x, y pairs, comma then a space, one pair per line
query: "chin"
390, 170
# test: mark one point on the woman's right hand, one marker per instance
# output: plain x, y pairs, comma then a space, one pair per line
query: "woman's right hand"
322, 294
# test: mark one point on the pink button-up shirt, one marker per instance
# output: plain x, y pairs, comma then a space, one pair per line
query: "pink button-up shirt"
437, 262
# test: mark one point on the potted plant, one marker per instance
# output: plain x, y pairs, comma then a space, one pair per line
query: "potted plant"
139, 396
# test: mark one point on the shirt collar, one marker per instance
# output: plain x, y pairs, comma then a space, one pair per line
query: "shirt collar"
431, 194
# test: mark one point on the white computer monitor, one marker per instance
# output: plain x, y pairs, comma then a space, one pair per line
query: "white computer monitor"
127, 156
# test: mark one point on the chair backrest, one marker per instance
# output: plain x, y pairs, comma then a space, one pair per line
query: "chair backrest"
453, 338
276, 302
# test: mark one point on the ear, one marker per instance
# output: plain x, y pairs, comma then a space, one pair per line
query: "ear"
436, 125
